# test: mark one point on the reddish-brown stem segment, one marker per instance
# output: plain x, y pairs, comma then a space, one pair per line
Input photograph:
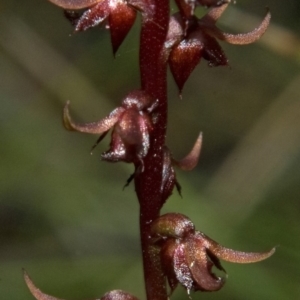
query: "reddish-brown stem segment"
149, 183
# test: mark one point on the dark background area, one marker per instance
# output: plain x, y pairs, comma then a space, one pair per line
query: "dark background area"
63, 214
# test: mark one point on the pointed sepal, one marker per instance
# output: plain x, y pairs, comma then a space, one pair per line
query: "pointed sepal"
231, 255
120, 20
241, 38
94, 127
35, 291
190, 161
184, 58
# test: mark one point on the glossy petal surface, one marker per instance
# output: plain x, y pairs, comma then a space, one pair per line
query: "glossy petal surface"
121, 19
183, 60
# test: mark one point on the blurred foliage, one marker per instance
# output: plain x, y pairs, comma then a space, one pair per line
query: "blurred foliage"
63, 214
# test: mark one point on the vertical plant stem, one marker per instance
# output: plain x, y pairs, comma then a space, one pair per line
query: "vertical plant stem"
148, 183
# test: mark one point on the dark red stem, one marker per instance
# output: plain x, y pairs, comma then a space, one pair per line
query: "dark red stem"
148, 183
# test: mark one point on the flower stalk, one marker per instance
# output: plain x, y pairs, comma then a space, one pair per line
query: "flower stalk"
148, 184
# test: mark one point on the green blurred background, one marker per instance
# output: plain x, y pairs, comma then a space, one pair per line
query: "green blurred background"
63, 214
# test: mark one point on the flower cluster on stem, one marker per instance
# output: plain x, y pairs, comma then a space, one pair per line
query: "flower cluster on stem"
172, 250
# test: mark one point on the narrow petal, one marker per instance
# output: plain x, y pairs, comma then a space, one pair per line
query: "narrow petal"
101, 137
37, 293
94, 127
242, 38
74, 4
121, 19
189, 162
233, 255
93, 16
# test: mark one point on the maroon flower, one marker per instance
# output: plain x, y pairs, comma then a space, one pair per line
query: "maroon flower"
190, 39
117, 14
188, 256
131, 124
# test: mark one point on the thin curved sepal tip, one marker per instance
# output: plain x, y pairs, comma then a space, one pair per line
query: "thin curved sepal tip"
74, 4
189, 162
36, 292
243, 257
98, 127
234, 256
243, 38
